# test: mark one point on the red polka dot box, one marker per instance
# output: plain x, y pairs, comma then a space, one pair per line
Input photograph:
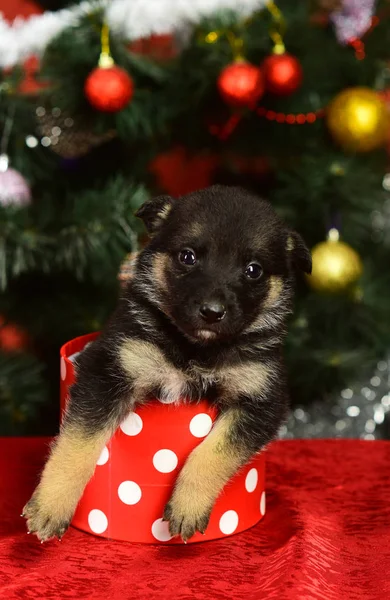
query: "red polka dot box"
136, 472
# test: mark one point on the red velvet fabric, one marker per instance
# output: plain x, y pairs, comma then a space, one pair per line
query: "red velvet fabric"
325, 536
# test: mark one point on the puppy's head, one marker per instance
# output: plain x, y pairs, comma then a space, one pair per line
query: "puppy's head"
220, 263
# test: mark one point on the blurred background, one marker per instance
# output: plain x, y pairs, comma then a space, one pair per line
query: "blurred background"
103, 105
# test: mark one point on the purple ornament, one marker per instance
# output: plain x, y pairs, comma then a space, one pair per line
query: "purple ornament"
14, 189
353, 19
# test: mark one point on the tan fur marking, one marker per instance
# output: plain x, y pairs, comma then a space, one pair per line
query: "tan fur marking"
161, 216
276, 288
290, 243
145, 363
267, 318
264, 321
164, 212
148, 366
160, 263
207, 470
128, 267
195, 230
249, 379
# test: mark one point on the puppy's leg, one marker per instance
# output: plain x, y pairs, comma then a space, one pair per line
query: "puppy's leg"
68, 470
97, 406
203, 476
238, 434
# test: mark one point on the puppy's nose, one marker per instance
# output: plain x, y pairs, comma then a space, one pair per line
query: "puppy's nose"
212, 312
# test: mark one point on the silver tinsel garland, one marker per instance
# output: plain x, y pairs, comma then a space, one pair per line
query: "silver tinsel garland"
359, 411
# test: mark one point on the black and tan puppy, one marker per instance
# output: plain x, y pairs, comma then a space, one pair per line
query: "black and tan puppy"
204, 315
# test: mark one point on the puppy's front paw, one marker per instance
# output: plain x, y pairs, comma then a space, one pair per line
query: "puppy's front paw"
43, 520
186, 515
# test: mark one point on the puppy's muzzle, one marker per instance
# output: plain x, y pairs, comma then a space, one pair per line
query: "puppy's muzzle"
212, 312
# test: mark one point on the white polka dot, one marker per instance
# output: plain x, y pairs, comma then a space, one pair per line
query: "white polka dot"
165, 461
200, 425
251, 480
228, 522
160, 530
262, 504
104, 456
132, 425
129, 492
63, 368
97, 521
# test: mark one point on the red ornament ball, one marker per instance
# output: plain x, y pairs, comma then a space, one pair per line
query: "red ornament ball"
241, 84
109, 89
283, 74
12, 337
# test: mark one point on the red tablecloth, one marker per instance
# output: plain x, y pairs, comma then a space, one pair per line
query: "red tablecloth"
326, 535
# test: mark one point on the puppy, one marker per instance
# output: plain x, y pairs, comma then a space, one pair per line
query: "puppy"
203, 315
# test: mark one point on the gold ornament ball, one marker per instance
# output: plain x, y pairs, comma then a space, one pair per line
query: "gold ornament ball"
359, 120
336, 265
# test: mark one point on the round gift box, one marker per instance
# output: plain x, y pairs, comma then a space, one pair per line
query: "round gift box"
136, 471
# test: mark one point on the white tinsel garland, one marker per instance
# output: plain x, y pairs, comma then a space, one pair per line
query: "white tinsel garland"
130, 19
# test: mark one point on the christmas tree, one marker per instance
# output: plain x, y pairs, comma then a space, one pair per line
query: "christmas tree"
123, 101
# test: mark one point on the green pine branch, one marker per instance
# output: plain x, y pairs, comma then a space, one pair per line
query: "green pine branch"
92, 229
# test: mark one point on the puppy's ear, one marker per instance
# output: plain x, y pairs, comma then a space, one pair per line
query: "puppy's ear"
299, 253
154, 212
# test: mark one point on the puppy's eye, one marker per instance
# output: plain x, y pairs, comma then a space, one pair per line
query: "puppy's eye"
254, 271
187, 257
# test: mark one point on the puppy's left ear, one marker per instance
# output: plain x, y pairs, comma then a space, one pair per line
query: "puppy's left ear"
299, 253
154, 212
